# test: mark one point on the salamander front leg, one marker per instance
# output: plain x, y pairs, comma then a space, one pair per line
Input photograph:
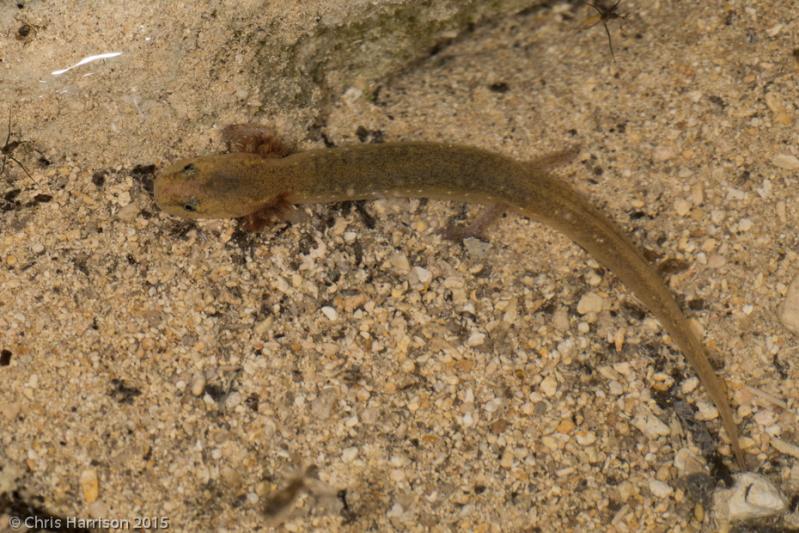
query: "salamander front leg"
255, 139
279, 209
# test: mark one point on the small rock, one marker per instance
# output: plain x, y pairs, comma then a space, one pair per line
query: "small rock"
716, 261
659, 489
752, 496
329, 312
128, 212
688, 463
475, 247
198, 384
689, 385
591, 302
784, 447
476, 339
399, 262
650, 425
663, 153
706, 411
89, 485
549, 386
8, 477
560, 319
765, 417
585, 438
420, 277
682, 207
565, 426
785, 161
349, 454
789, 314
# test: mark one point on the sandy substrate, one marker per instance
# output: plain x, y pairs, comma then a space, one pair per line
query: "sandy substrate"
157, 369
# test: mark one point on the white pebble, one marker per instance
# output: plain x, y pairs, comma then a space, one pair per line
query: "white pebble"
650, 425
706, 411
765, 417
475, 247
420, 276
400, 264
682, 207
659, 489
549, 386
590, 302
752, 496
687, 462
329, 312
476, 339
560, 319
789, 314
585, 438
349, 454
689, 385
785, 161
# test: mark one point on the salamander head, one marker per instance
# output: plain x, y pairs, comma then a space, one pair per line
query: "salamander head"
206, 187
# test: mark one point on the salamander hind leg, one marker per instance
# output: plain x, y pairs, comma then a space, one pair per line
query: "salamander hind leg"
556, 159
255, 139
477, 228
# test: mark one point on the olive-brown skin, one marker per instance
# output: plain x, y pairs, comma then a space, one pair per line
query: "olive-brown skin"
239, 184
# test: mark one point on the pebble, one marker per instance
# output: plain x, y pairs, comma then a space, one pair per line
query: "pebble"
615, 388
420, 277
349, 454
650, 425
784, 447
399, 262
198, 384
765, 417
689, 385
560, 319
789, 314
476, 339
8, 477
590, 302
716, 261
330, 313
687, 463
89, 485
706, 411
663, 153
585, 438
549, 386
682, 207
785, 161
475, 247
752, 496
128, 212
659, 489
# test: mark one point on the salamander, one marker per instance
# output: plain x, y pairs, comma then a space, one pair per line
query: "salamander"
252, 185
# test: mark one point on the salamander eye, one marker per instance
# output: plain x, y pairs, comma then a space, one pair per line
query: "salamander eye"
191, 205
189, 169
